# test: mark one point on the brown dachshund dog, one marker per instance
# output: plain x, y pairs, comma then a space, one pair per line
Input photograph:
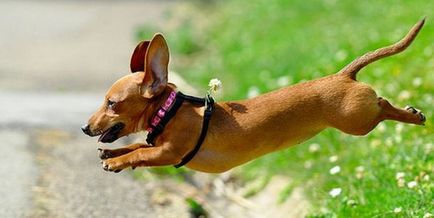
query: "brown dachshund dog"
239, 131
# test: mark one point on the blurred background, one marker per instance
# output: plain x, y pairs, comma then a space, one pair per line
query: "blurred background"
58, 58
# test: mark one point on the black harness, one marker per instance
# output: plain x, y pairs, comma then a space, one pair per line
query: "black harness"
208, 101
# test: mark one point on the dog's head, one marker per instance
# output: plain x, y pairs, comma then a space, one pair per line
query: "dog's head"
130, 99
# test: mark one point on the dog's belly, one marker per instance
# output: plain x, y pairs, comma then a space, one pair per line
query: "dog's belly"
236, 150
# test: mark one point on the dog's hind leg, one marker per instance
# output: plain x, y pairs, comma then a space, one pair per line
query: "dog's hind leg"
386, 112
406, 115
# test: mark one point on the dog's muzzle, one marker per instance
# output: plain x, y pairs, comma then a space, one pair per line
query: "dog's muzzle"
108, 136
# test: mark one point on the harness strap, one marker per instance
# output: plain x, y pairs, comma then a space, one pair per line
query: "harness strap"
209, 102
169, 109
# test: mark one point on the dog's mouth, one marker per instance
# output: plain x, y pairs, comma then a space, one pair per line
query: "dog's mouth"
111, 134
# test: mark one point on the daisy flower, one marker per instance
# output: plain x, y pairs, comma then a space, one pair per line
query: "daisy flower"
335, 170
335, 192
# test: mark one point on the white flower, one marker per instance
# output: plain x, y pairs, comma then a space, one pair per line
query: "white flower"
426, 177
283, 81
335, 170
428, 215
412, 184
360, 169
333, 159
417, 81
397, 210
401, 182
400, 175
313, 148
253, 92
308, 164
351, 202
375, 143
360, 172
335, 192
428, 148
214, 84
404, 95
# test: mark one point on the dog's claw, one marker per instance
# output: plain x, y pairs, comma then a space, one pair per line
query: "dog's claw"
107, 166
422, 117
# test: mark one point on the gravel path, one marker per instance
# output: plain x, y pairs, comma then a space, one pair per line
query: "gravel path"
18, 174
72, 183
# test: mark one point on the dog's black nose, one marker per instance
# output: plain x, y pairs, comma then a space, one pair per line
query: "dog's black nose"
86, 129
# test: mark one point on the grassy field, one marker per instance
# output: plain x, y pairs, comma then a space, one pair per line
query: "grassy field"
260, 45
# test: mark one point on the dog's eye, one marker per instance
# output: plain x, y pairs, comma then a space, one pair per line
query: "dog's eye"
111, 104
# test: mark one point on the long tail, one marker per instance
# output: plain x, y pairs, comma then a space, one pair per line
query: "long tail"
351, 69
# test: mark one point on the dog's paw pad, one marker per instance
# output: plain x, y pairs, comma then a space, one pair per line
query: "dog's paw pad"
415, 111
411, 109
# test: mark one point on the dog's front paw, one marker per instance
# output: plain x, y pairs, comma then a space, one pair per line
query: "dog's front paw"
417, 112
104, 154
113, 165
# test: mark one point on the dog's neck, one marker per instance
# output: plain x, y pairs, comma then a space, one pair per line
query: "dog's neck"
148, 113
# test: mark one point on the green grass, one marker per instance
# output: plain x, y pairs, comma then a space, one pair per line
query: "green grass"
264, 44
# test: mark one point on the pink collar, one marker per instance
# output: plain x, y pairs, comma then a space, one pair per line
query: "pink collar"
161, 113
169, 109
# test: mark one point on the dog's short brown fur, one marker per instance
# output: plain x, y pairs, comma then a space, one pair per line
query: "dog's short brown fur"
239, 131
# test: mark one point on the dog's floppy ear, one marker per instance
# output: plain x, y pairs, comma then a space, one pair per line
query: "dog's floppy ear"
156, 63
138, 58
